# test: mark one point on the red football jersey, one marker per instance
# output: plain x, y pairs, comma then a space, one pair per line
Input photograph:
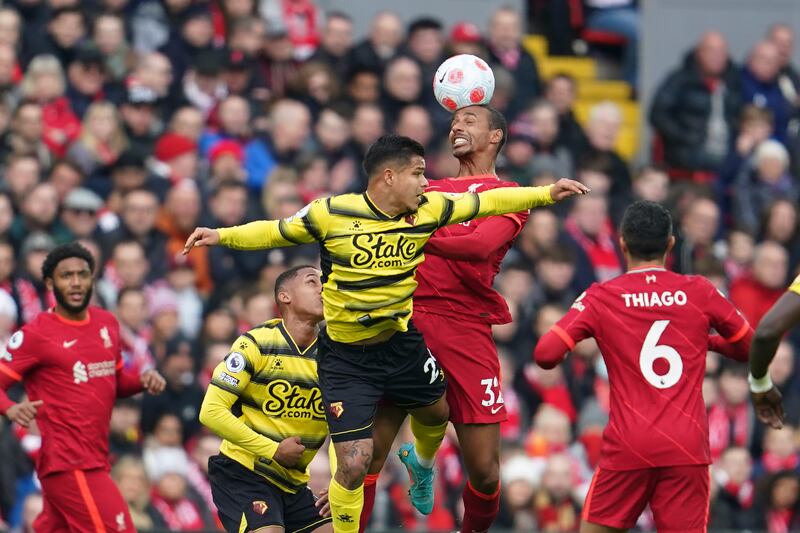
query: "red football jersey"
464, 288
71, 366
652, 327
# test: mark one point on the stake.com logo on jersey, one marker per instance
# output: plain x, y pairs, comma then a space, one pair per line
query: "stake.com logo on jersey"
81, 373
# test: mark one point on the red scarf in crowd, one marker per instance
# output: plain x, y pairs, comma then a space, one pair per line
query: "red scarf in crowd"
775, 463
743, 493
601, 249
779, 520
181, 515
720, 419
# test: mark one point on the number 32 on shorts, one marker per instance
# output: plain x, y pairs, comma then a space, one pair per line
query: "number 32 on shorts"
490, 398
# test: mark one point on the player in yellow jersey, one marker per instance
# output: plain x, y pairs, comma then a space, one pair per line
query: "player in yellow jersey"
371, 244
783, 316
265, 402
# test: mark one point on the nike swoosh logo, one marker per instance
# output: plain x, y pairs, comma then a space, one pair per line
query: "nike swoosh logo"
69, 344
495, 409
443, 77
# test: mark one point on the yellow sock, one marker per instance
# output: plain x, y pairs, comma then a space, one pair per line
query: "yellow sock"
427, 440
345, 507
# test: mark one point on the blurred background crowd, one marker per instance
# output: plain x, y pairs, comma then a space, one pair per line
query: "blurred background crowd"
126, 123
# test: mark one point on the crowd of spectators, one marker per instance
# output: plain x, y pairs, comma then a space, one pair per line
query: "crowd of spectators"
124, 124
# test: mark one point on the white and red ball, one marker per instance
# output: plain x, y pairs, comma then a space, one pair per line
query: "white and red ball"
462, 81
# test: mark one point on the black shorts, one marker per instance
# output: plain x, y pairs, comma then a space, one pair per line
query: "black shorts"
354, 378
241, 494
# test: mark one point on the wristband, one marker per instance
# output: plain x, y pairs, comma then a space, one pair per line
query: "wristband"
760, 385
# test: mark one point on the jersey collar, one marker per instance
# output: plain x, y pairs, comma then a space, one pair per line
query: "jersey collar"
646, 269
293, 345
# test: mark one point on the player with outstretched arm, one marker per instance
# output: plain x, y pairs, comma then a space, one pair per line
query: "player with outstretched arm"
652, 327
371, 245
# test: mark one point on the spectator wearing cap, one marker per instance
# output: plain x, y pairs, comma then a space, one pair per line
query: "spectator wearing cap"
177, 220
39, 213
203, 86
289, 132
384, 40
505, 48
44, 83
695, 109
233, 116
139, 117
241, 78
138, 218
101, 141
226, 159
177, 157
79, 213
65, 29
194, 36
87, 79
336, 42
466, 38
109, 36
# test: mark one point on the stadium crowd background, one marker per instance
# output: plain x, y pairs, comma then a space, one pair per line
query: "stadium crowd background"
125, 124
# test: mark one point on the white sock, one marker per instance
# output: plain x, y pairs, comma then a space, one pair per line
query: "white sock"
426, 463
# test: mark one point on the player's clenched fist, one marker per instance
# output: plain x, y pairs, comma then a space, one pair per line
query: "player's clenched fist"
289, 452
23, 413
564, 188
153, 382
201, 237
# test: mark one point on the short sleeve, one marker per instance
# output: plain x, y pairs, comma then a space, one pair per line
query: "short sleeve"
723, 315
233, 374
579, 322
19, 356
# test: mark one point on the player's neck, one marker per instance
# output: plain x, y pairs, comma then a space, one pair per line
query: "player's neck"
303, 330
634, 264
385, 203
71, 316
477, 165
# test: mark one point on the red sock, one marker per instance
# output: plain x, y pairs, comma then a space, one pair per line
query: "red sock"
480, 509
369, 500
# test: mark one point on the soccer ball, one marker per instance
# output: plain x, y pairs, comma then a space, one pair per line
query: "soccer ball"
462, 81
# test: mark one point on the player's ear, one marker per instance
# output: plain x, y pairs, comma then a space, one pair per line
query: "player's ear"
496, 136
388, 176
284, 298
48, 282
623, 246
670, 244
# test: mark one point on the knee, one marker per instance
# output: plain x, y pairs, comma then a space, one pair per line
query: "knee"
435, 414
485, 476
353, 461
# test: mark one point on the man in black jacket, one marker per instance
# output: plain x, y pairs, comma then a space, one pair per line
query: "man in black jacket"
695, 109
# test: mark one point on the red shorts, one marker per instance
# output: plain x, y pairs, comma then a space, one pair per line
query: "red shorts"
678, 497
82, 501
468, 355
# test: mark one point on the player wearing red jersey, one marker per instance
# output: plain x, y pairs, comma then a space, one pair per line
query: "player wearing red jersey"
652, 327
454, 308
70, 362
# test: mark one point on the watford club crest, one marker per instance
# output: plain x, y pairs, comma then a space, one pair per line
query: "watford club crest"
260, 507
411, 220
337, 409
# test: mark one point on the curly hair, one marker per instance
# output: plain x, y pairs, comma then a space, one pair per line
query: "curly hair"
66, 251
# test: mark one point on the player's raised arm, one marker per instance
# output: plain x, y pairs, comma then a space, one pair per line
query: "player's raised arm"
306, 226
510, 200
573, 327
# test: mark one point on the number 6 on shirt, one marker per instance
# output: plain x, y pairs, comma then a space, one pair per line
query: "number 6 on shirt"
652, 351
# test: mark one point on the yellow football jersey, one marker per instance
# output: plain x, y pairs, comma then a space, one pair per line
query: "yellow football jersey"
795, 286
269, 390
369, 259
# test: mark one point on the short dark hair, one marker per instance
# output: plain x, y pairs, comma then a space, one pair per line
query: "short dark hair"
227, 185
338, 15
285, 277
395, 148
66, 251
423, 23
646, 228
498, 122
124, 291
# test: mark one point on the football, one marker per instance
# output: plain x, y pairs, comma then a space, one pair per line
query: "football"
463, 80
